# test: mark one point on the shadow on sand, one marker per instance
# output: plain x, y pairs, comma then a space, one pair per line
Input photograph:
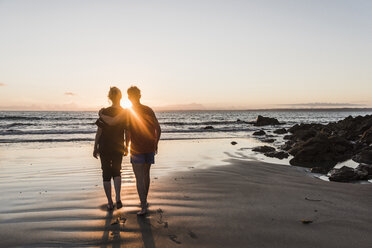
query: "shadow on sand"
120, 230
145, 228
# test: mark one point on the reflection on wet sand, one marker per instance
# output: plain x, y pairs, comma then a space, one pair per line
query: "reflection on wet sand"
126, 228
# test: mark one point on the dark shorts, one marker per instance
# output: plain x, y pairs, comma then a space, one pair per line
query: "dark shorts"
143, 158
111, 165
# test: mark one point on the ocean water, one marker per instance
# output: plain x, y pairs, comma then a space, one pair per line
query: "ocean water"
46, 126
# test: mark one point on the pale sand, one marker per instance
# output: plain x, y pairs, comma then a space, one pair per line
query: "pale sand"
200, 197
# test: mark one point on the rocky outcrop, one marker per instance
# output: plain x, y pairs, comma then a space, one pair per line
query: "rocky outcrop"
367, 137
321, 151
321, 146
364, 156
347, 174
276, 154
265, 121
263, 149
268, 140
367, 168
208, 127
259, 133
351, 128
280, 131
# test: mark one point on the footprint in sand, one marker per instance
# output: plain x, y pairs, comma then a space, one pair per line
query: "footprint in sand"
174, 238
123, 219
115, 222
192, 235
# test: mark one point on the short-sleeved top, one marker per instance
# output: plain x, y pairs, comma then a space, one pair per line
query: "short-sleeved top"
142, 126
112, 137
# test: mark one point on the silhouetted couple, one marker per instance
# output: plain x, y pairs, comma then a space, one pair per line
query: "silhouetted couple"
136, 127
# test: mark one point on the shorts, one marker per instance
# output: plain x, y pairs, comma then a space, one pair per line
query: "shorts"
143, 158
111, 165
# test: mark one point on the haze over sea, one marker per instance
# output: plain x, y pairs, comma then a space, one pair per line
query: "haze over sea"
60, 126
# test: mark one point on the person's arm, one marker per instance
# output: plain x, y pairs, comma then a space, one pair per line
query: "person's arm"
112, 121
127, 140
96, 142
157, 132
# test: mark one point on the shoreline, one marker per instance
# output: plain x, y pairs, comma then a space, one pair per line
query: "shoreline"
246, 201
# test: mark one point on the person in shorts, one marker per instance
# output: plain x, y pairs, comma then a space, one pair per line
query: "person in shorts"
143, 134
109, 145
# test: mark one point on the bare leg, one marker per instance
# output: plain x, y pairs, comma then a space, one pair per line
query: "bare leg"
140, 183
146, 177
107, 187
117, 184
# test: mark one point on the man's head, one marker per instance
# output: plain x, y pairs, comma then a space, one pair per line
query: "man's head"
114, 94
134, 94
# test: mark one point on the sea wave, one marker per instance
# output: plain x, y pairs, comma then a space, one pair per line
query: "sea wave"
92, 131
18, 124
39, 132
206, 123
38, 118
44, 140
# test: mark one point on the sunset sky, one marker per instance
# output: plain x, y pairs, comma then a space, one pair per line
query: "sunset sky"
64, 55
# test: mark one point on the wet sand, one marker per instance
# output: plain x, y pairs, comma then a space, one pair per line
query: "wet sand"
204, 193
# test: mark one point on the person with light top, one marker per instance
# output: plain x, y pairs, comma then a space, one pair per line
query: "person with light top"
143, 134
109, 145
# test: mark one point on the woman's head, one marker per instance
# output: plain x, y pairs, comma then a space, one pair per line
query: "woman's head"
114, 95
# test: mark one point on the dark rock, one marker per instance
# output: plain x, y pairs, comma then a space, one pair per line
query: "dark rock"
346, 174
302, 126
275, 154
318, 145
352, 128
367, 168
209, 127
321, 151
263, 149
365, 156
259, 133
304, 135
327, 131
367, 137
265, 121
287, 146
319, 170
280, 131
268, 140
234, 143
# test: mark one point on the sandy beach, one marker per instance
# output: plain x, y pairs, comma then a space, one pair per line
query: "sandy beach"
204, 193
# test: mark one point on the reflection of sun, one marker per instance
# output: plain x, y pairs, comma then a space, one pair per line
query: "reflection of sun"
126, 103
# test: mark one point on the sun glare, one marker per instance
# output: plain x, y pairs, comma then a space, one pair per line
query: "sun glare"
126, 103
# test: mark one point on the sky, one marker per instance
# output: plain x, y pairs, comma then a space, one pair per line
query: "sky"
64, 55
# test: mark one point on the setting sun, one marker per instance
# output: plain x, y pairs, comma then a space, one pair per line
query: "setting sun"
125, 103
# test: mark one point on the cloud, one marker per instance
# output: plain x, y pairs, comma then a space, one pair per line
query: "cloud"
2, 84
70, 94
324, 104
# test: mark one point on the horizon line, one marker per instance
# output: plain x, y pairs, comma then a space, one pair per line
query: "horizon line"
201, 110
